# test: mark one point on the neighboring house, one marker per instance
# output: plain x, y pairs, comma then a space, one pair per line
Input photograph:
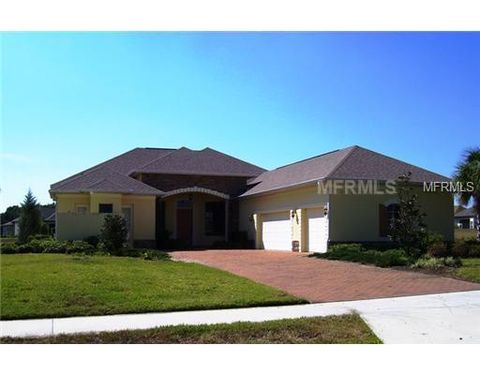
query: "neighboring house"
49, 217
466, 218
202, 197
12, 228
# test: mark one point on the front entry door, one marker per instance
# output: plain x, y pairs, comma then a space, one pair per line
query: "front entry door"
184, 225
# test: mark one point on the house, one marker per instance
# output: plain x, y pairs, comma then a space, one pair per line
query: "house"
191, 194
12, 228
466, 218
202, 197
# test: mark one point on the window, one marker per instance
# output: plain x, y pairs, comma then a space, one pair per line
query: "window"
392, 214
105, 208
387, 215
82, 210
215, 218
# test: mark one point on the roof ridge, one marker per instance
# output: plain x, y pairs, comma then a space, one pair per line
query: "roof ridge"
311, 157
401, 161
102, 180
235, 158
349, 153
139, 168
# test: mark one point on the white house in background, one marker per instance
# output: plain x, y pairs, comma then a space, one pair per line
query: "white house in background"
466, 218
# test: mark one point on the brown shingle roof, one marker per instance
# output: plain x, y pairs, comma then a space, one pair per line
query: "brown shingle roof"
114, 174
104, 180
204, 162
349, 163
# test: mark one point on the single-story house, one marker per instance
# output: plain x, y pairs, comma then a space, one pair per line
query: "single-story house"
466, 218
11, 228
48, 214
202, 197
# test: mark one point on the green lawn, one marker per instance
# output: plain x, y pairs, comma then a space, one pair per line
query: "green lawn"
470, 270
345, 329
56, 285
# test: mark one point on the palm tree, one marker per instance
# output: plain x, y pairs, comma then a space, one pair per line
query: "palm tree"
468, 171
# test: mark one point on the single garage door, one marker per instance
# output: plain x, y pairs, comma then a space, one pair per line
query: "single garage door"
276, 231
317, 230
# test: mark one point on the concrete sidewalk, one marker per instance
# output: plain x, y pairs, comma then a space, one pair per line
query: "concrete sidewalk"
434, 318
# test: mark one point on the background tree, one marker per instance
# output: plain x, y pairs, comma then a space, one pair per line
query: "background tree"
408, 228
30, 217
10, 213
468, 171
113, 233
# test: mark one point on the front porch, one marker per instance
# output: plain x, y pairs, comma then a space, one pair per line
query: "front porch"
195, 217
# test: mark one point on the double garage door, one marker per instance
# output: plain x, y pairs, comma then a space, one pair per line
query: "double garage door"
277, 230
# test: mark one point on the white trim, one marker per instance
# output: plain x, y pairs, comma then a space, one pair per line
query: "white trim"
196, 189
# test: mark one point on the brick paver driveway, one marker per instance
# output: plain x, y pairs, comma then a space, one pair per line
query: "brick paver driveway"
320, 280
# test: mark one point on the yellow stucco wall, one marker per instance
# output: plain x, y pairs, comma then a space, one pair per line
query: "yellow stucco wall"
198, 205
143, 215
74, 226
297, 200
351, 217
355, 217
68, 202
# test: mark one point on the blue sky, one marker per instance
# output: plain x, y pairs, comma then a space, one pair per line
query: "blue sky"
71, 100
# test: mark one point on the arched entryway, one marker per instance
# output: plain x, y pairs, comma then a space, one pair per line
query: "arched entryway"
195, 216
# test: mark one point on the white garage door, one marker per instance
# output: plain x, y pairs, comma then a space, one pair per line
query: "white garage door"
276, 231
317, 230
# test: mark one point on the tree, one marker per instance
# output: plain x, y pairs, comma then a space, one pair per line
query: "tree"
408, 227
113, 234
468, 174
30, 217
10, 213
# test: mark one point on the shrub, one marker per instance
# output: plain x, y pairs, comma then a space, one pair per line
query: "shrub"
390, 258
49, 246
80, 247
147, 254
39, 237
8, 248
92, 240
113, 234
151, 254
438, 249
468, 248
357, 253
431, 263
474, 251
460, 249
